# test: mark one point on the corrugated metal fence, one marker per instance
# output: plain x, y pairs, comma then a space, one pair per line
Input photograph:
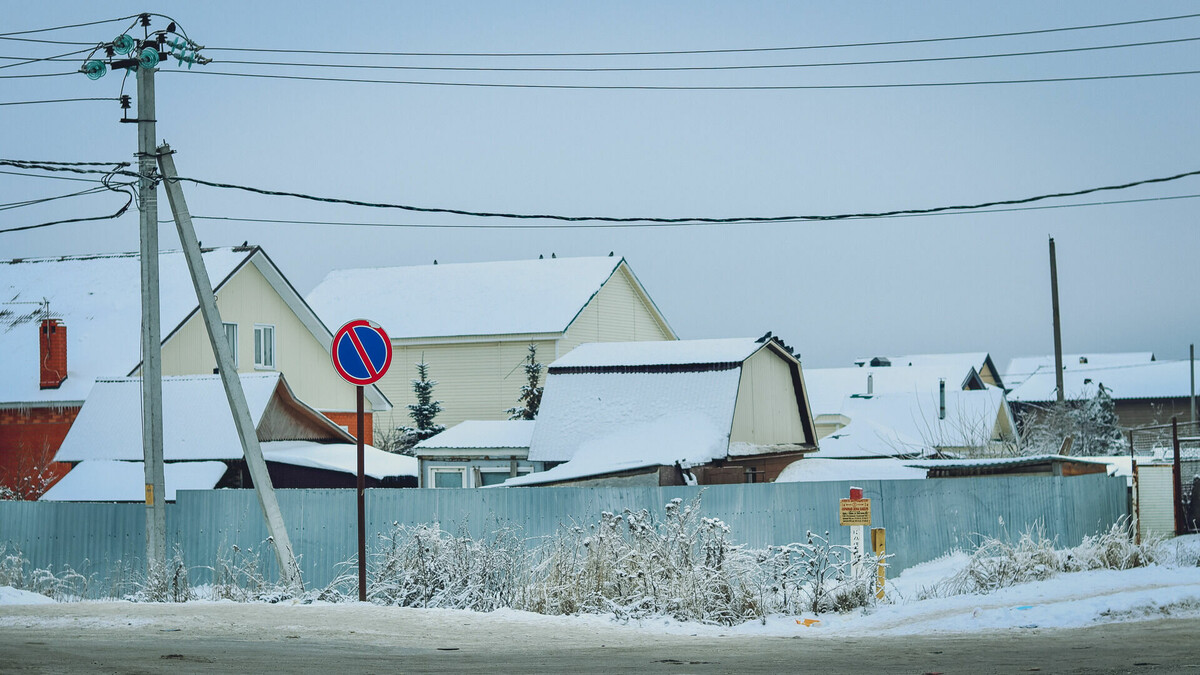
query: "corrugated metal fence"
924, 518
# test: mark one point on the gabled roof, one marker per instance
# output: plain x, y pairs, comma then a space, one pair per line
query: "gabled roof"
1157, 379
113, 481
466, 299
727, 352
98, 299
957, 365
197, 423
508, 434
616, 406
1021, 367
828, 387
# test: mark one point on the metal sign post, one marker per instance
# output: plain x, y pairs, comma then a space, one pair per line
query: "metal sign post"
855, 512
361, 353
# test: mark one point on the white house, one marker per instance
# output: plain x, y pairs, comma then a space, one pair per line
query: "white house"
476, 453
662, 413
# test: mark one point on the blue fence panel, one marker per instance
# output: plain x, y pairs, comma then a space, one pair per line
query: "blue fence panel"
924, 518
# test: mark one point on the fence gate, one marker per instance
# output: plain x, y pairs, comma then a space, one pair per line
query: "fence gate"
1154, 500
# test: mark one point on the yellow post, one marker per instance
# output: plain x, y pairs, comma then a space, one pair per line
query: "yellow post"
877, 545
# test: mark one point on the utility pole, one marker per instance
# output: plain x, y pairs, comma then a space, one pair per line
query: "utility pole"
152, 426
141, 56
1058, 359
1192, 368
289, 569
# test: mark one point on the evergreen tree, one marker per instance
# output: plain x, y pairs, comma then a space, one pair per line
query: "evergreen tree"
531, 393
1099, 431
424, 410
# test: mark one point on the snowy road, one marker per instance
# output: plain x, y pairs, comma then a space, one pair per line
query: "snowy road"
226, 637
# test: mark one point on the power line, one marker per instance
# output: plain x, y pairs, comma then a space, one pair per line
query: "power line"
38, 175
1041, 52
739, 219
509, 85
523, 226
17, 77
43, 200
73, 25
713, 51
58, 100
46, 58
117, 214
76, 167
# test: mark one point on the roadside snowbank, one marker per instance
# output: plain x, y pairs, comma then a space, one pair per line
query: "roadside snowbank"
13, 596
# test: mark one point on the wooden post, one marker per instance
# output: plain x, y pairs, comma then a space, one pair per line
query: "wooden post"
877, 546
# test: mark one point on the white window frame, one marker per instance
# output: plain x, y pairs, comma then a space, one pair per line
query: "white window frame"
435, 470
521, 471
260, 362
233, 343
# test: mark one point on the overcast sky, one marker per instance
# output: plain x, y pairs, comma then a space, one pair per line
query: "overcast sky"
1128, 273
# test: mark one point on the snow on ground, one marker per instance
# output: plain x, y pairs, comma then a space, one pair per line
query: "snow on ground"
13, 596
1063, 601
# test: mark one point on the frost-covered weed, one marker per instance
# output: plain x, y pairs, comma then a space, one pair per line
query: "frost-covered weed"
996, 564
425, 566
237, 575
165, 583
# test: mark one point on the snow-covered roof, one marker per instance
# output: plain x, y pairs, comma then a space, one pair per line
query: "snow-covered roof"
488, 298
828, 387
865, 438
909, 423
98, 298
341, 457
596, 412
1156, 379
482, 434
113, 481
817, 469
960, 362
1021, 367
687, 437
659, 353
1000, 461
197, 423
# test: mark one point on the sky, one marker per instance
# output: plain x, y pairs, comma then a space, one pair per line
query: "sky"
834, 290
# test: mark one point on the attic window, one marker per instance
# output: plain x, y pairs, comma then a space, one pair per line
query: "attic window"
1083, 359
880, 361
264, 346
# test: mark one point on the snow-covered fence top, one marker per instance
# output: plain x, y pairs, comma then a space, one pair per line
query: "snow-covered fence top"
924, 519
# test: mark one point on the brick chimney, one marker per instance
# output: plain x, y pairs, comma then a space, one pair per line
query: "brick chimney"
52, 340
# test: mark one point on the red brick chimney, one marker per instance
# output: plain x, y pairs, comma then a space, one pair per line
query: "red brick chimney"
52, 339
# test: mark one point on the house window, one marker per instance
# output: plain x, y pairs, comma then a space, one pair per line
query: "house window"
264, 346
753, 475
448, 478
231, 340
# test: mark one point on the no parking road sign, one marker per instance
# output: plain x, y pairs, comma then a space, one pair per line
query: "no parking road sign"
361, 352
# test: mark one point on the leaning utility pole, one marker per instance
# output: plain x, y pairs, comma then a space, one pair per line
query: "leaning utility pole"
1058, 359
289, 569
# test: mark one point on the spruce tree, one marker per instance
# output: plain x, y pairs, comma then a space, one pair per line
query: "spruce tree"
531, 393
425, 409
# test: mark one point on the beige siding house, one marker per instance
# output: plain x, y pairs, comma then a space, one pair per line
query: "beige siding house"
271, 329
671, 413
473, 322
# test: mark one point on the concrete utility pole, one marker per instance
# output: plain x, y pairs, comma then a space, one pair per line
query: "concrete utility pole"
288, 567
1058, 360
152, 423
1192, 368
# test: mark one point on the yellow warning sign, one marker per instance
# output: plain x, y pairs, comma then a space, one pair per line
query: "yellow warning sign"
854, 512
150, 493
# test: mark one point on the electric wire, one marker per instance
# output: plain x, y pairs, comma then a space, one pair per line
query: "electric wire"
32, 75
73, 25
711, 51
785, 87
78, 167
59, 100
553, 226
45, 58
43, 200
38, 175
772, 66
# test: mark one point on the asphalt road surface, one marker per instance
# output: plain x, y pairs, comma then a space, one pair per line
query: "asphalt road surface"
344, 639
